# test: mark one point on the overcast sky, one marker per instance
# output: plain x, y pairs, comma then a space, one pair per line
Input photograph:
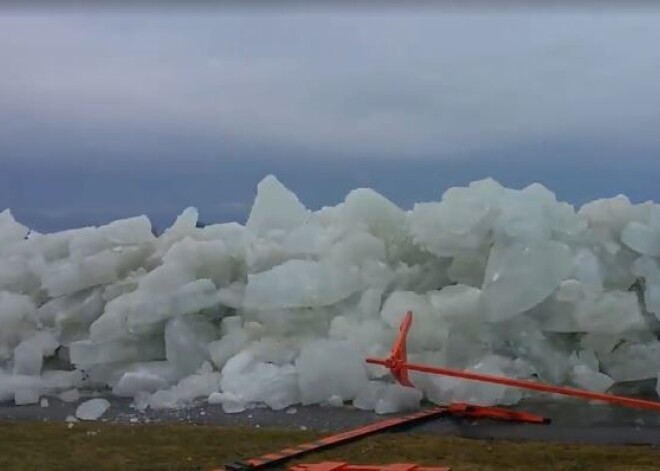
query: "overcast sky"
110, 114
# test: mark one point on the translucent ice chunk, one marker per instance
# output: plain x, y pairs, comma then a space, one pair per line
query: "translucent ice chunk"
10, 230
134, 382
612, 312
275, 207
301, 283
28, 358
73, 275
186, 342
148, 311
633, 362
222, 350
396, 398
326, 368
521, 275
87, 352
92, 409
368, 395
586, 378
642, 238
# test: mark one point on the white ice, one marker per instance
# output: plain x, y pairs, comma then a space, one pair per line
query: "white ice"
92, 409
283, 310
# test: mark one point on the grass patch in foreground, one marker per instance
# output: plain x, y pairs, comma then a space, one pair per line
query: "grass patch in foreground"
29, 446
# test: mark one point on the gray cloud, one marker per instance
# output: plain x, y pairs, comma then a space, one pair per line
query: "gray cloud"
373, 84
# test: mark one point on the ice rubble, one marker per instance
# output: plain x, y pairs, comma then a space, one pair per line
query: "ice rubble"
282, 311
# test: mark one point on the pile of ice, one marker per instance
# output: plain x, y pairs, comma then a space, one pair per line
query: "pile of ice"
283, 310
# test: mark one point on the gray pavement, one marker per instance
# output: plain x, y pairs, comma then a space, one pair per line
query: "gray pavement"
572, 421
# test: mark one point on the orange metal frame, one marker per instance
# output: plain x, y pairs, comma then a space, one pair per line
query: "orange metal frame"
461, 410
279, 457
398, 365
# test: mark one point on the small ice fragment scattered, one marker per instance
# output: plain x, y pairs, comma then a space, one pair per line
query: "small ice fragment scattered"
233, 406
92, 409
336, 401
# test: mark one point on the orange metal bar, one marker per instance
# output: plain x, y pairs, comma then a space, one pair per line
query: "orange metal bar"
398, 365
496, 413
338, 466
325, 466
277, 458
463, 410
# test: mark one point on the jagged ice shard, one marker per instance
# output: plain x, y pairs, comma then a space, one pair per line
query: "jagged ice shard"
282, 311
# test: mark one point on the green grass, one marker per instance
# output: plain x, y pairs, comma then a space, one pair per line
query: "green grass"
28, 446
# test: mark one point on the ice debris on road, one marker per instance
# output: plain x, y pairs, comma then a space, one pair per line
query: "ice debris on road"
92, 409
283, 310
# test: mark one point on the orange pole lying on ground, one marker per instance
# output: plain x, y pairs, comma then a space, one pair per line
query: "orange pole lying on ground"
335, 466
277, 458
398, 365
